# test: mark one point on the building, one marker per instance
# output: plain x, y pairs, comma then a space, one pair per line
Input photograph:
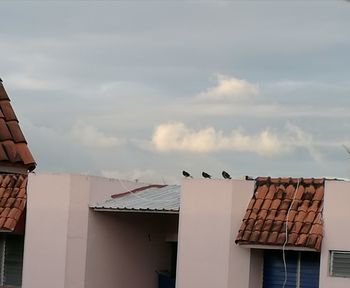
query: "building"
15, 163
76, 236
232, 233
57, 230
77, 231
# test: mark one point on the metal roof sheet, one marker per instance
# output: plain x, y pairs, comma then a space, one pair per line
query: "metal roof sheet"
153, 199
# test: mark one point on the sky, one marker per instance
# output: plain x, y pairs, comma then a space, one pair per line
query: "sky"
141, 90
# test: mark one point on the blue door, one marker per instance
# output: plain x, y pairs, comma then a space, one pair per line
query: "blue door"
302, 269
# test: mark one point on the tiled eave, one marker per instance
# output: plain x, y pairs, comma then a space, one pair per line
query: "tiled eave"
13, 198
14, 151
265, 220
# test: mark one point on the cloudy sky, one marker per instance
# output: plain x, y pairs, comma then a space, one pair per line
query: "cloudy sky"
145, 89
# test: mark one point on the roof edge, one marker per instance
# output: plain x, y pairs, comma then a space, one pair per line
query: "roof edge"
277, 247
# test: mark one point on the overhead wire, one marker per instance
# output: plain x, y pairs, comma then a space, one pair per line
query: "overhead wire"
286, 240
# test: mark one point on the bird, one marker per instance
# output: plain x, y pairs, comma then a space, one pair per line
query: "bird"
206, 175
226, 175
186, 174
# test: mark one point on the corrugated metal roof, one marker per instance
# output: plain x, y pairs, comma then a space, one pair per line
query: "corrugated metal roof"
151, 199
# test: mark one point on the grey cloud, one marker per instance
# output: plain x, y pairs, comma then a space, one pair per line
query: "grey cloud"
126, 67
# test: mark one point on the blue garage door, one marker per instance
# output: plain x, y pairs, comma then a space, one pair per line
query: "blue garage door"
302, 269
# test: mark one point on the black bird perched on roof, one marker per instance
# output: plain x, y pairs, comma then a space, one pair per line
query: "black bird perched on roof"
206, 175
186, 174
226, 175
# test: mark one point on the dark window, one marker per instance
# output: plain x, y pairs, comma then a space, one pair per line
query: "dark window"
302, 269
11, 259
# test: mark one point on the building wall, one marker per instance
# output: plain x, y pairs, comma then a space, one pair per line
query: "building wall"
44, 263
336, 214
69, 245
211, 214
128, 247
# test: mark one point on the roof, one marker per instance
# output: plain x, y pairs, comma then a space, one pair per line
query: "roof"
264, 222
13, 146
13, 196
152, 198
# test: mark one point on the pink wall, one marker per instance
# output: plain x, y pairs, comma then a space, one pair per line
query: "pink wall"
129, 248
211, 214
336, 214
69, 245
46, 231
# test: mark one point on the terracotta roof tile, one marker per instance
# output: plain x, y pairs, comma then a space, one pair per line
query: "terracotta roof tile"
285, 204
272, 190
16, 132
255, 236
257, 204
319, 194
246, 235
281, 215
306, 228
13, 145
271, 214
290, 190
267, 225
275, 204
292, 238
304, 206
297, 227
12, 199
262, 191
266, 217
281, 238
302, 239
262, 215
310, 217
263, 237
272, 238
276, 226
266, 205
258, 225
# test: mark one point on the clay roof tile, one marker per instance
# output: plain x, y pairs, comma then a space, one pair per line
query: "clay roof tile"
266, 219
262, 191
13, 146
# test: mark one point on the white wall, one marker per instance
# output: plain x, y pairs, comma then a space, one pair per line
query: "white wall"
210, 217
336, 214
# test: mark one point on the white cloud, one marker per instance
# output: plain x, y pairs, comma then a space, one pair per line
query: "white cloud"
26, 82
228, 89
177, 137
89, 136
300, 138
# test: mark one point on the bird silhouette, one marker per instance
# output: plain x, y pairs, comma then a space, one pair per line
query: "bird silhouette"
206, 175
226, 175
186, 174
